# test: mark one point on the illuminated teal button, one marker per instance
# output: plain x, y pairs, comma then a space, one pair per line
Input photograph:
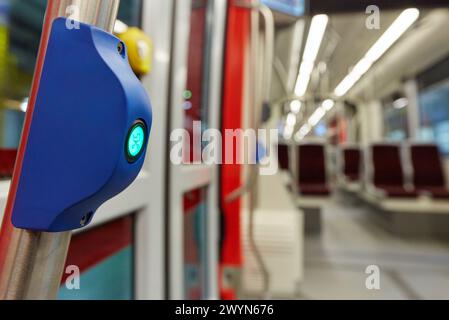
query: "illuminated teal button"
135, 141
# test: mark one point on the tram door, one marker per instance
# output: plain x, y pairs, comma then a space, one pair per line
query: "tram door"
198, 35
126, 254
121, 254
105, 253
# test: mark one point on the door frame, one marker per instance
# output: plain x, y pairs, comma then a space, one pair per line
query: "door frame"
187, 177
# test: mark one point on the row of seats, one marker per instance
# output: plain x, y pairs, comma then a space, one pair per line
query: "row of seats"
395, 170
381, 171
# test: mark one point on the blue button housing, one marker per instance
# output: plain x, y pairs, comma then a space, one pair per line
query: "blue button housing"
75, 157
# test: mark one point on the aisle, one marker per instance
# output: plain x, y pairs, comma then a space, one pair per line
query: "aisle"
335, 261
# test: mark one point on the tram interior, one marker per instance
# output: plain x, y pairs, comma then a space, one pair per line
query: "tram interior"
358, 207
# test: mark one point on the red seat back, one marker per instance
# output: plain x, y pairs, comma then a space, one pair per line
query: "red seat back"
387, 165
283, 156
312, 164
427, 167
351, 163
7, 160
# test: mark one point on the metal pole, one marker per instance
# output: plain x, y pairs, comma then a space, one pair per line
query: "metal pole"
31, 263
261, 90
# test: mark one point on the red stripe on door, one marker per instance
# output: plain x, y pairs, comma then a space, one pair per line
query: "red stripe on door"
93, 246
237, 42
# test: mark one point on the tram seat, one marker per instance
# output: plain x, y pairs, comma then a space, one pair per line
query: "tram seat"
7, 160
314, 189
312, 181
349, 173
428, 172
391, 187
387, 172
351, 158
312, 173
283, 158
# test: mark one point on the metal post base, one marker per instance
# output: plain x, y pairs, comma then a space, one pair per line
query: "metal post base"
34, 269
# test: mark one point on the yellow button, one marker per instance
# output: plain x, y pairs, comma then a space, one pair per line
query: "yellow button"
140, 49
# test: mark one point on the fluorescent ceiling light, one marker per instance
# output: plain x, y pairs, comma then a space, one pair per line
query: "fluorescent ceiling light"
288, 132
400, 103
361, 67
393, 33
295, 106
314, 39
345, 85
316, 33
328, 104
305, 71
316, 116
291, 120
303, 131
320, 112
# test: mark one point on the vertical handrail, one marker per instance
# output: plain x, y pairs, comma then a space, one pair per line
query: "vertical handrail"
267, 16
32, 263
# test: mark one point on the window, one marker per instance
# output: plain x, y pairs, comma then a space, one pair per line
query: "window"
195, 210
104, 256
434, 105
434, 115
395, 118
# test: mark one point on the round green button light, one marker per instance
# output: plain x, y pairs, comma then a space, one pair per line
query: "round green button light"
135, 141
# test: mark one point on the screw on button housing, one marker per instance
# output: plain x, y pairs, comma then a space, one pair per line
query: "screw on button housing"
121, 49
85, 219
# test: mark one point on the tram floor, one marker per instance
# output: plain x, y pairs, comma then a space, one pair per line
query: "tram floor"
336, 260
